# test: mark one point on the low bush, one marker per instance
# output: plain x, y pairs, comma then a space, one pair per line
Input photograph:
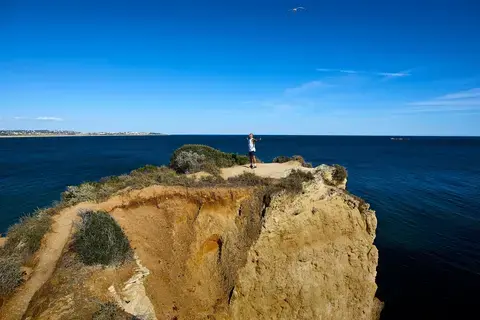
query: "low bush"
189, 161
10, 275
293, 183
193, 157
210, 168
302, 161
25, 237
242, 160
339, 174
23, 240
76, 194
138, 179
100, 240
283, 159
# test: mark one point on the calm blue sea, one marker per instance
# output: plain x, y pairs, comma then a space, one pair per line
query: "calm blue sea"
426, 192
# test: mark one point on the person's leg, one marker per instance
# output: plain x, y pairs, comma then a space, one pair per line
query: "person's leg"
254, 161
251, 156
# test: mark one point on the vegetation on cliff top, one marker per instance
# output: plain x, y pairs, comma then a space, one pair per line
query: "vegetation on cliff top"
186, 159
192, 158
10, 275
24, 239
100, 240
339, 174
283, 159
336, 176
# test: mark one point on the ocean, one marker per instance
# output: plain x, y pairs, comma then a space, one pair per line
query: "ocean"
425, 190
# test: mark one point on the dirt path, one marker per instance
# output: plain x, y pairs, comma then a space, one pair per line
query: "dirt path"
272, 170
49, 253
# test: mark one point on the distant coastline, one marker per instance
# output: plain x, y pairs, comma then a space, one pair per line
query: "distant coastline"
83, 135
61, 134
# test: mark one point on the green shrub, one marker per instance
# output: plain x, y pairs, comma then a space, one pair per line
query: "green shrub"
211, 168
283, 159
203, 154
100, 240
242, 160
302, 161
293, 183
25, 237
10, 275
189, 161
75, 194
147, 168
339, 174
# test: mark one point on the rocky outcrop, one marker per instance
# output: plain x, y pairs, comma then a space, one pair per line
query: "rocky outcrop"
314, 259
229, 253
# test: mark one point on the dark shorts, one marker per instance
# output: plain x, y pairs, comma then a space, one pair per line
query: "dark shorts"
251, 153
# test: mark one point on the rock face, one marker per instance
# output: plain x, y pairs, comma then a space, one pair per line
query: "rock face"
314, 259
229, 253
193, 243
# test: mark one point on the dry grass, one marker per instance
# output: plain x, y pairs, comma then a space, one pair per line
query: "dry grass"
10, 275
283, 159
188, 158
23, 240
293, 183
152, 175
249, 179
137, 179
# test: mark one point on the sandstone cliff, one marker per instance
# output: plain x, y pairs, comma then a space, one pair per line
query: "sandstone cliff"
219, 253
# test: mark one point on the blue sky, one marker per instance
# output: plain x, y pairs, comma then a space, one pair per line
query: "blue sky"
338, 67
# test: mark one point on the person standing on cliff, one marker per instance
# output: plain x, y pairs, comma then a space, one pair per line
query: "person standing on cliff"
252, 150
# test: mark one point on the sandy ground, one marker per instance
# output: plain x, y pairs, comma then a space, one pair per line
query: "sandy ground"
2, 241
272, 170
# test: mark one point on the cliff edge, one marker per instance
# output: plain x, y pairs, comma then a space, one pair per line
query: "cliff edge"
217, 252
314, 258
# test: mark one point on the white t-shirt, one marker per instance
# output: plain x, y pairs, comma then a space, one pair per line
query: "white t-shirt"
251, 145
